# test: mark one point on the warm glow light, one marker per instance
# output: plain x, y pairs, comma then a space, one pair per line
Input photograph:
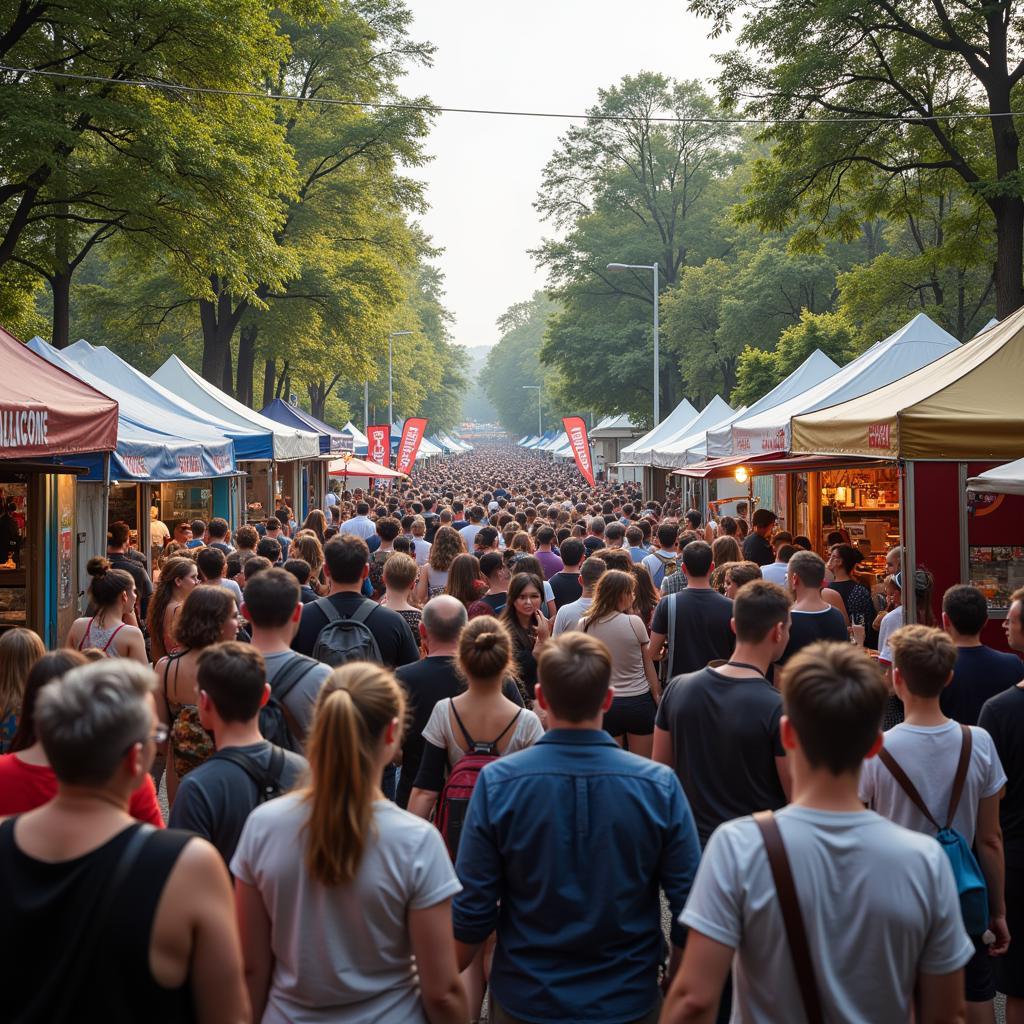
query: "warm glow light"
741, 474
841, 495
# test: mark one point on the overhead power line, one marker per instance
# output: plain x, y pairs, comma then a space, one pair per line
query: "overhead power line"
430, 108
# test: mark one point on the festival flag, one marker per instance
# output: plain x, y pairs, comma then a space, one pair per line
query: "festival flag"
412, 435
379, 447
576, 430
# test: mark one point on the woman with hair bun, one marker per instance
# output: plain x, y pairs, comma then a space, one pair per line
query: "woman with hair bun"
113, 629
336, 868
480, 717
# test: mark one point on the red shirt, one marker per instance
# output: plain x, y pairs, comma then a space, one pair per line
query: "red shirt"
24, 787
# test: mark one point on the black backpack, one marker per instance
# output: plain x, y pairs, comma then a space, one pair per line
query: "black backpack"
277, 723
344, 640
268, 780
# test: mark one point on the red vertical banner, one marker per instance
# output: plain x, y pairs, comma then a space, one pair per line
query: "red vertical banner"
576, 430
412, 436
379, 447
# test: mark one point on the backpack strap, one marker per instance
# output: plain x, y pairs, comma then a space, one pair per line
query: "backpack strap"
515, 718
796, 933
364, 611
268, 780
361, 614
106, 646
961, 773
465, 731
326, 605
670, 650
286, 679
903, 781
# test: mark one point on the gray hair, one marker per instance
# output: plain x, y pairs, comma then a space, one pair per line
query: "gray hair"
89, 718
443, 618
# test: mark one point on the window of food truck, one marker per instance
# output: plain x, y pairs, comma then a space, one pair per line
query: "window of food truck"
258, 503
863, 505
15, 551
123, 507
181, 501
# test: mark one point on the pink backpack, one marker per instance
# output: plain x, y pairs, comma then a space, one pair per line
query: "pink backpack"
453, 804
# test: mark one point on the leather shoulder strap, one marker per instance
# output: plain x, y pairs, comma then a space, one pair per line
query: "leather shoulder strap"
796, 934
903, 780
961, 773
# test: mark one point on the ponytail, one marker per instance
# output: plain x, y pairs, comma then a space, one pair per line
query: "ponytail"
355, 705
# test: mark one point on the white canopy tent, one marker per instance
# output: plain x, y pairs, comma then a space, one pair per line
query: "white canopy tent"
813, 370
638, 453
1005, 479
710, 416
694, 446
914, 345
289, 443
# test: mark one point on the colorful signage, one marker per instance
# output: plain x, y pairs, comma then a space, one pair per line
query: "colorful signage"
412, 436
379, 446
579, 442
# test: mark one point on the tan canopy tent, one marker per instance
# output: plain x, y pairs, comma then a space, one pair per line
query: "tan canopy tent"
968, 404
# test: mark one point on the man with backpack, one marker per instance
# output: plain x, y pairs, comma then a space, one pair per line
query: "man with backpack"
824, 911
664, 561
939, 777
215, 798
272, 607
345, 626
563, 852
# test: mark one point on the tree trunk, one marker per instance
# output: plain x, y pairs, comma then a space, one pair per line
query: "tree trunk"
60, 285
1009, 256
317, 399
219, 318
269, 379
246, 362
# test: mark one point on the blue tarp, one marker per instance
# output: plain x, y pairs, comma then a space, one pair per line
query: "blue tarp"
331, 439
146, 450
107, 365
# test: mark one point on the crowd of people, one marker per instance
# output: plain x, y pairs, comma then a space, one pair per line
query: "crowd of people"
450, 750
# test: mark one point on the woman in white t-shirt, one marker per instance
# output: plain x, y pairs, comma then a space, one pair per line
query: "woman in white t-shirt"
480, 716
630, 719
344, 899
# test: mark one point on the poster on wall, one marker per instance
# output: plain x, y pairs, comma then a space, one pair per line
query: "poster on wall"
65, 547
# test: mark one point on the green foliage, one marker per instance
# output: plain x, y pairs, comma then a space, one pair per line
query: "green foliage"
757, 372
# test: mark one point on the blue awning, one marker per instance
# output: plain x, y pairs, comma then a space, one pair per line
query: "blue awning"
147, 450
331, 439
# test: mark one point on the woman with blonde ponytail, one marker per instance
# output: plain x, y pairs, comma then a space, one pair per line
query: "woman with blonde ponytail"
344, 899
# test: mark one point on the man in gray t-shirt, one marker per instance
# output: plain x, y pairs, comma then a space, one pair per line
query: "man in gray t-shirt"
878, 903
214, 799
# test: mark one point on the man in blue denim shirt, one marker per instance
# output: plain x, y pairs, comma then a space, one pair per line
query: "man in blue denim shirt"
564, 849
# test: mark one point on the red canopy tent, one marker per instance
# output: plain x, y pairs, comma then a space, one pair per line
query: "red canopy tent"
46, 412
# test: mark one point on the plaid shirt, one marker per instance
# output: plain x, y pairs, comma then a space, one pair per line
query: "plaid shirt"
674, 583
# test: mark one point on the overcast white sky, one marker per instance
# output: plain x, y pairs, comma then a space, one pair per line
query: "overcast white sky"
548, 55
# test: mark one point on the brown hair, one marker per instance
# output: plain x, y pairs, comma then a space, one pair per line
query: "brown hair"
615, 558
355, 705
200, 622
742, 573
611, 588
400, 571
485, 649
463, 575
309, 549
52, 665
759, 606
645, 598
574, 671
448, 545
174, 569
835, 699
924, 657
20, 649
726, 549
108, 584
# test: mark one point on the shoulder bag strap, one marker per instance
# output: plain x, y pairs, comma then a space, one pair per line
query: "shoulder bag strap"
670, 650
796, 934
961, 773
903, 780
465, 731
71, 983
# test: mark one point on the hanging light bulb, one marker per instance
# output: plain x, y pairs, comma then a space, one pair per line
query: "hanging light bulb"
741, 474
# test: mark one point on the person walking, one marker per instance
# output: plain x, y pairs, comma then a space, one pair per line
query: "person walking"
113, 628
630, 720
523, 618
135, 922
337, 868
569, 615
874, 905
578, 936
813, 617
20, 649
178, 577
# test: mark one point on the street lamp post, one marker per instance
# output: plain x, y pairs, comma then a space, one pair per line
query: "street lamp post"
657, 369
537, 388
391, 409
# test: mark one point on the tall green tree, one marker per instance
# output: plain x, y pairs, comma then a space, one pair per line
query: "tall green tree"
862, 93
625, 186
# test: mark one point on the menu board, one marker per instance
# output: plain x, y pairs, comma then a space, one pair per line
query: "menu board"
997, 570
